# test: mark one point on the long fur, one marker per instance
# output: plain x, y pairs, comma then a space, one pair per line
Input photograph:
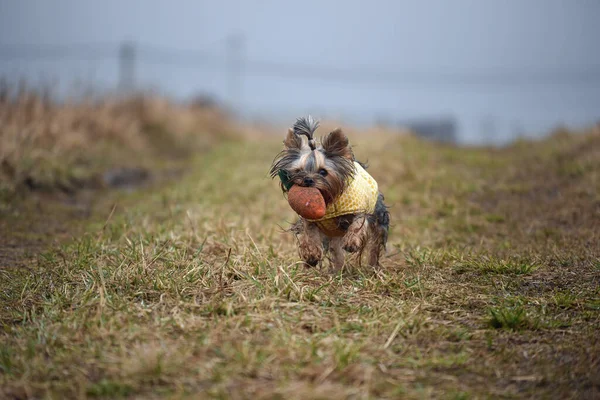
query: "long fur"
328, 166
306, 126
304, 165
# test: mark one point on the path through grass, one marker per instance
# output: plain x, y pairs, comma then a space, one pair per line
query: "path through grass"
489, 287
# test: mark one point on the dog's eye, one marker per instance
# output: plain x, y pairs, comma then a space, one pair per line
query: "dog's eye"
322, 172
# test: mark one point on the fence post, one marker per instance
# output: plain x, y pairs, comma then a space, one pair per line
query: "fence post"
235, 59
127, 67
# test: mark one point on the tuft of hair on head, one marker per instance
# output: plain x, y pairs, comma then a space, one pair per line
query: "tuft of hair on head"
307, 127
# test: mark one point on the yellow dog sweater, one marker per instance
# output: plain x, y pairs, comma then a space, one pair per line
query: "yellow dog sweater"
360, 196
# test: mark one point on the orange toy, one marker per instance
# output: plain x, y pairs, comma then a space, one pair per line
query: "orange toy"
308, 202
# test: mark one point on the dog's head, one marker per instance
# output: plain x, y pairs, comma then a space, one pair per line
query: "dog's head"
326, 166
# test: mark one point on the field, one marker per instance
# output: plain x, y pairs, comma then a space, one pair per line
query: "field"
191, 287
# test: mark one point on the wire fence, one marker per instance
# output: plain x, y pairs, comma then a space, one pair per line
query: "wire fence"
233, 57
232, 63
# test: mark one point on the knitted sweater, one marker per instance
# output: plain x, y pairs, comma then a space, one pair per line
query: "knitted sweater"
360, 196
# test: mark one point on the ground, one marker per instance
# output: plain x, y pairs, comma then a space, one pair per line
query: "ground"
489, 287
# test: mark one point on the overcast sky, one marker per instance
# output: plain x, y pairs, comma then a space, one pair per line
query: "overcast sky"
433, 38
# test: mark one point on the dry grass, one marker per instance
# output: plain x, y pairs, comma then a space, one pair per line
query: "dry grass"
489, 287
45, 145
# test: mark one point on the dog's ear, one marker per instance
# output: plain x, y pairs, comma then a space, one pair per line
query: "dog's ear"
292, 141
336, 144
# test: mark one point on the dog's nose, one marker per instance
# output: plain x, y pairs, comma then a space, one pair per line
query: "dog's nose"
308, 182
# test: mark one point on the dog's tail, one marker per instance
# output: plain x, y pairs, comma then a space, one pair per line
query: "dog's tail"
307, 126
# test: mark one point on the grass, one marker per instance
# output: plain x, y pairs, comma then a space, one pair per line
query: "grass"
49, 146
514, 318
193, 289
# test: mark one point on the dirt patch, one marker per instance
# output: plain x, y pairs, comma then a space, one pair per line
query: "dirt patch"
38, 220
39, 217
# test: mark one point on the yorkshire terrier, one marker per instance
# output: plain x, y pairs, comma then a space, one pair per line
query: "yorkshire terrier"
356, 217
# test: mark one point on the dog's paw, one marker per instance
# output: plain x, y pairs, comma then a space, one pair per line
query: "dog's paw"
311, 254
352, 243
311, 262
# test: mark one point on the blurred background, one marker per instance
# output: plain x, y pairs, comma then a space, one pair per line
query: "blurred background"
466, 71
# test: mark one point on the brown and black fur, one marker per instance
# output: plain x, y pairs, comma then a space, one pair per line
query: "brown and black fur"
328, 166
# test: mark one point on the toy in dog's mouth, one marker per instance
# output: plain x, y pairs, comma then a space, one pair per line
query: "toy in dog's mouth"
308, 202
326, 197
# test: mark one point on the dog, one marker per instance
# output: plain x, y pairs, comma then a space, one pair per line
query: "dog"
356, 216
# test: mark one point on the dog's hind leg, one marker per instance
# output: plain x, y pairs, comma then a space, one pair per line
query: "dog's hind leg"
337, 254
378, 231
376, 244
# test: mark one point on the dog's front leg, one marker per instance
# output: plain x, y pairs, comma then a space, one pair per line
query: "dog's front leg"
310, 244
356, 236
